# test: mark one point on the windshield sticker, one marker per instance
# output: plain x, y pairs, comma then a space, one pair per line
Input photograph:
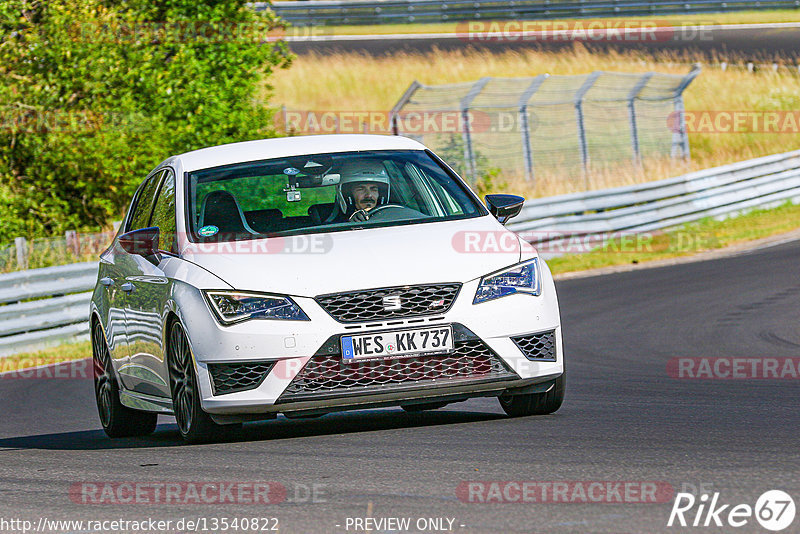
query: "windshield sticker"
207, 231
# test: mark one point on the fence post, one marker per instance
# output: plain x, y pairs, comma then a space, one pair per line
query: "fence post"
73, 244
679, 144
22, 252
581, 129
523, 120
637, 156
680, 139
283, 116
401, 104
469, 153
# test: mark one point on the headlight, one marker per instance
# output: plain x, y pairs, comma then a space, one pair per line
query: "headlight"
522, 278
233, 307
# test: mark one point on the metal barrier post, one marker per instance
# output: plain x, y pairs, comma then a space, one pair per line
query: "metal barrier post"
469, 153
637, 157
523, 120
579, 117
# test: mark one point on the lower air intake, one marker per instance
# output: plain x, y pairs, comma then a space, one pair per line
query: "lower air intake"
233, 377
326, 375
538, 347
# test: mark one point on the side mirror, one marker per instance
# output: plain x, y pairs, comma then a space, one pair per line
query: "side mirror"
143, 242
504, 207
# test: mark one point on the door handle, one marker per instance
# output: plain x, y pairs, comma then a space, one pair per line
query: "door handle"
106, 281
127, 287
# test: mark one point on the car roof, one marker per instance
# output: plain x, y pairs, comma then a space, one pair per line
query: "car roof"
291, 146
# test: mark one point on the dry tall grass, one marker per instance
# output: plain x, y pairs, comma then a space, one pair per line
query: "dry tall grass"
360, 82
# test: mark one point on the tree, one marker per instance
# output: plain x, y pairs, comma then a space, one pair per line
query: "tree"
95, 93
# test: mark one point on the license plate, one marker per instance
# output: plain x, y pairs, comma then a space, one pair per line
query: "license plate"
398, 343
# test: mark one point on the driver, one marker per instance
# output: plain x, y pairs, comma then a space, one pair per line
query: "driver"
363, 186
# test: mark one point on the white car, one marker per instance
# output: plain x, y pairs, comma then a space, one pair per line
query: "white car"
314, 274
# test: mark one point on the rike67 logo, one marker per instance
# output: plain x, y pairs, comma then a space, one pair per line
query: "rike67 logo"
774, 510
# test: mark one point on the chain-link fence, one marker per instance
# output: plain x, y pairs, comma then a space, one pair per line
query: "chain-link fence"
522, 125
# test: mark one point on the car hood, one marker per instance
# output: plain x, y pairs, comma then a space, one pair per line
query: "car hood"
310, 265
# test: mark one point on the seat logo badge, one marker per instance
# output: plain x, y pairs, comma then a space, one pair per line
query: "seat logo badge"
392, 302
437, 303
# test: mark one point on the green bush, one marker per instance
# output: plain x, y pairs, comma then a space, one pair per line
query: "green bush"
95, 93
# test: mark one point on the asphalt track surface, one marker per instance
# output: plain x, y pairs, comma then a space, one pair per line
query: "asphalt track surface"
734, 43
624, 419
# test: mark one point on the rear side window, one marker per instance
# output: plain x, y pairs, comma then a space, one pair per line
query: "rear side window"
164, 215
144, 203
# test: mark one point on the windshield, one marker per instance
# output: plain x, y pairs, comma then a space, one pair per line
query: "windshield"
323, 193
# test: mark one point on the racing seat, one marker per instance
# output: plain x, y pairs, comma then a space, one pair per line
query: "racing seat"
221, 210
265, 221
320, 213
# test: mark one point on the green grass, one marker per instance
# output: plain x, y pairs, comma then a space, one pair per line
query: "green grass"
704, 235
61, 353
739, 17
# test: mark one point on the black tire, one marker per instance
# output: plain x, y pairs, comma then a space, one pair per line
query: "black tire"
415, 408
118, 421
535, 403
194, 425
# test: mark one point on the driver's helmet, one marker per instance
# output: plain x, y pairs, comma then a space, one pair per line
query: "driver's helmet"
358, 172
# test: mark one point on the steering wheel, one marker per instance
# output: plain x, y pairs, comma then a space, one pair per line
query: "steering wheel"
369, 214
379, 209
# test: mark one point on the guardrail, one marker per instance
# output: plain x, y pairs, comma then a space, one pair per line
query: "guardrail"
332, 13
758, 183
58, 312
60, 306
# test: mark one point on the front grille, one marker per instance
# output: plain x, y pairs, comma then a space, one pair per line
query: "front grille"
537, 346
369, 305
326, 375
233, 377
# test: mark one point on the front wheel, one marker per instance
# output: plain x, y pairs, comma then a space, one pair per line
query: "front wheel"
194, 424
535, 403
118, 421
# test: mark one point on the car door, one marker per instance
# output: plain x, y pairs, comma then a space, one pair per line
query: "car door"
113, 266
145, 307
111, 279
128, 266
